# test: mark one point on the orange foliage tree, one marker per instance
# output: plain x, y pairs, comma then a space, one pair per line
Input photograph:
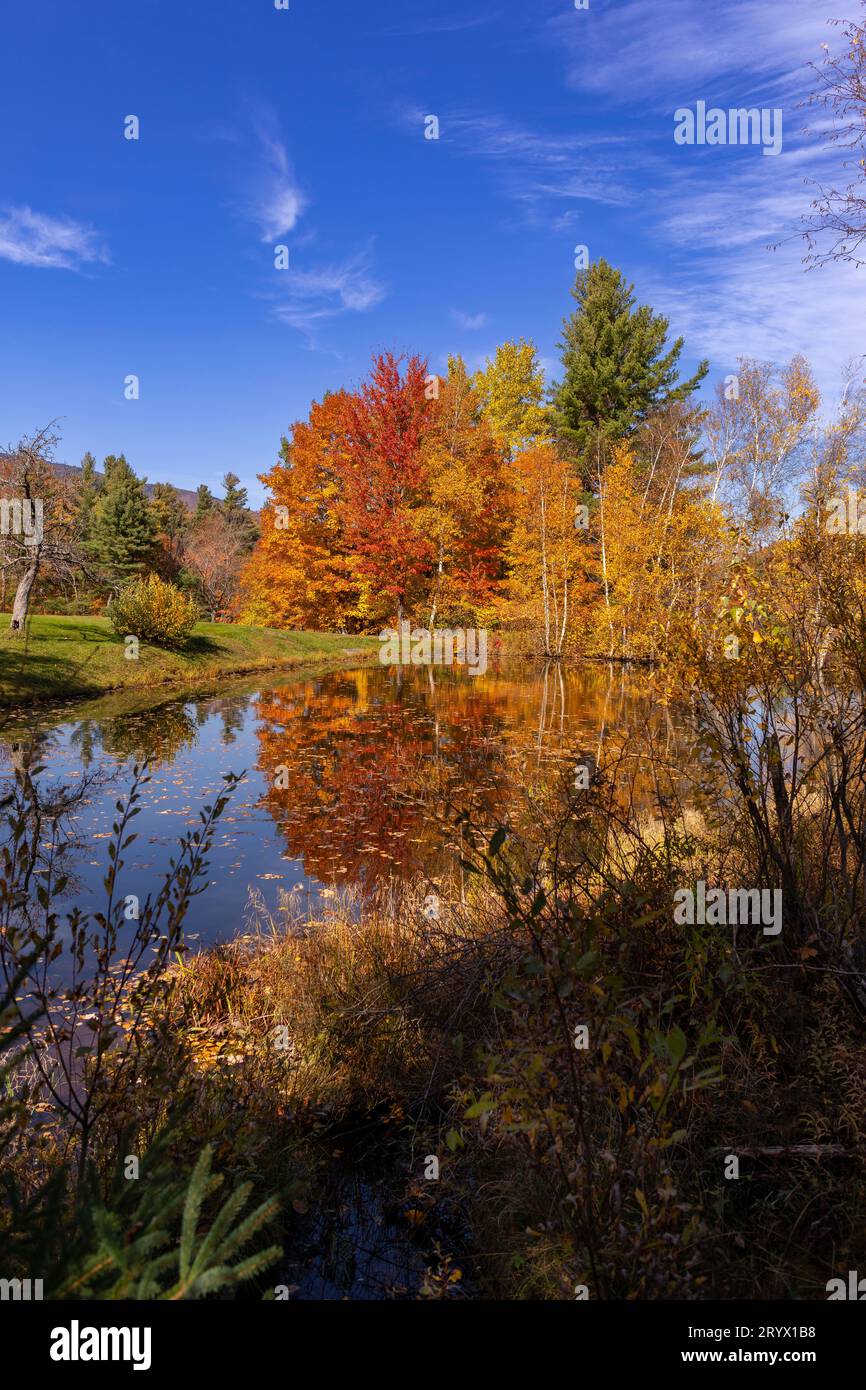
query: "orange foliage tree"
389, 502
299, 574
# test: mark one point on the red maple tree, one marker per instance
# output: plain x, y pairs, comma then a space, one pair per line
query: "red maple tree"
387, 481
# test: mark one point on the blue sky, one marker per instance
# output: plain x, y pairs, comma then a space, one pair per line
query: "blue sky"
306, 127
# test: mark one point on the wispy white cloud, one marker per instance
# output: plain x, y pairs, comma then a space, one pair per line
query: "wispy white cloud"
715, 215
309, 298
738, 285
278, 211
272, 198
35, 239
636, 51
702, 205
494, 137
469, 321
764, 305
536, 167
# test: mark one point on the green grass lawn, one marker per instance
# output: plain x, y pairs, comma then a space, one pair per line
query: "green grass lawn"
63, 658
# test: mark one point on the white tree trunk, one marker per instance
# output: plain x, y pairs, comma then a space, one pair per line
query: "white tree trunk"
21, 605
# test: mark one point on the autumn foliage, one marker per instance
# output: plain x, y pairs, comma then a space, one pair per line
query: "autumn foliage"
300, 575
591, 517
154, 611
445, 501
387, 502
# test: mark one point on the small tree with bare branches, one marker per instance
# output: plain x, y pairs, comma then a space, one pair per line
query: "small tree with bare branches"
214, 552
840, 213
39, 530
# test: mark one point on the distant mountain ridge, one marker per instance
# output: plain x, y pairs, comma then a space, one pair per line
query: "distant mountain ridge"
189, 499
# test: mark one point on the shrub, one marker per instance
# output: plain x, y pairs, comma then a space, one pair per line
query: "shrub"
154, 611
67, 1207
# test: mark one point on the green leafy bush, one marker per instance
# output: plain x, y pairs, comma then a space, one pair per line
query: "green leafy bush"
154, 611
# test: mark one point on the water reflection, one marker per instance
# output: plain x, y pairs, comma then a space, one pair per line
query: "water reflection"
351, 777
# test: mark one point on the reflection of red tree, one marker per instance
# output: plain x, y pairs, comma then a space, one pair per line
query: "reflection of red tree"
372, 770
379, 761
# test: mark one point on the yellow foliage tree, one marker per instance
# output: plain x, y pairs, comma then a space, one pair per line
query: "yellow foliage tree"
654, 551
510, 392
547, 550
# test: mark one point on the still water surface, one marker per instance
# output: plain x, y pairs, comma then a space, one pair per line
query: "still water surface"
349, 777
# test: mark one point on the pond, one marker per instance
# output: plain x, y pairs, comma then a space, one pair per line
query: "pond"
351, 778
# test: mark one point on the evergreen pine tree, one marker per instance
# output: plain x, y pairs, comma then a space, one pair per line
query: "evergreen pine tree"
204, 501
235, 498
617, 366
171, 522
123, 530
235, 510
89, 488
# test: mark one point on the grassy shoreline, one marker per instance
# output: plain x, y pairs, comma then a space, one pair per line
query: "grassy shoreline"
63, 658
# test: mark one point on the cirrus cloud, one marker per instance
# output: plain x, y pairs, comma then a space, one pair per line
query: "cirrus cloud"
37, 239
276, 203
312, 297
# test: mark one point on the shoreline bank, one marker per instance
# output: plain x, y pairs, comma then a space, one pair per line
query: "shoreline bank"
64, 659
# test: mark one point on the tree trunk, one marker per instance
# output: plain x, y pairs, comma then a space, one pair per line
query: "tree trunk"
544, 585
601, 518
21, 605
604, 573
439, 572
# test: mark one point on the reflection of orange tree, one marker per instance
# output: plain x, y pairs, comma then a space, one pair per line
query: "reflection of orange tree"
373, 768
